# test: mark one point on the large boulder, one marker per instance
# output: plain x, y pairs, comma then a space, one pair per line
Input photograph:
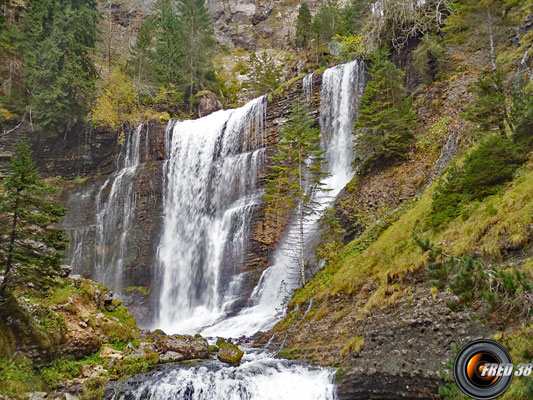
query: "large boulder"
189, 347
229, 353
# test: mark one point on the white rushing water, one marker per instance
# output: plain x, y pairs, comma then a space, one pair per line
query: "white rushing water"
342, 88
259, 377
115, 212
100, 248
210, 193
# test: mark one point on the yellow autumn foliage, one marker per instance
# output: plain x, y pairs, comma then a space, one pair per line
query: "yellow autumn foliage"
118, 102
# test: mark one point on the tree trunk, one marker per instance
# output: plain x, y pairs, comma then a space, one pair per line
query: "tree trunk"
9, 262
491, 38
301, 222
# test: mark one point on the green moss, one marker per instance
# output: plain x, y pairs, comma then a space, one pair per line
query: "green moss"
123, 330
288, 354
93, 388
213, 348
282, 89
135, 365
229, 353
145, 291
62, 369
18, 377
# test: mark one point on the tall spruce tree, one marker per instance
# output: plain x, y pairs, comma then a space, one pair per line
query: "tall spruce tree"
296, 177
60, 74
184, 44
384, 127
30, 247
141, 54
303, 26
168, 50
198, 44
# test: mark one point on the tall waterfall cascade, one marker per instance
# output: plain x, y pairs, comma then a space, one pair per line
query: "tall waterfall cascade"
210, 193
342, 88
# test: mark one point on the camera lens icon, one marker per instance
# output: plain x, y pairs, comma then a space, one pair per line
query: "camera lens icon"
483, 369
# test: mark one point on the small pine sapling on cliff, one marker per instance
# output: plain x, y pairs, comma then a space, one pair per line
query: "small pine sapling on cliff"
31, 246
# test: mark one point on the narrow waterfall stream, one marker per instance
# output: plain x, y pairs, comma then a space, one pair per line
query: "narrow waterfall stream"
114, 214
210, 190
102, 244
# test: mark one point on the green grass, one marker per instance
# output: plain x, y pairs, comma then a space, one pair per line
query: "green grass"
353, 346
18, 377
385, 253
62, 369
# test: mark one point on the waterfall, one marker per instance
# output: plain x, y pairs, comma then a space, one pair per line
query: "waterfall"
342, 87
115, 212
210, 193
307, 85
260, 377
101, 246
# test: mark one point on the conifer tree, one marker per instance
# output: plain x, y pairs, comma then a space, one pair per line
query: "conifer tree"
297, 175
489, 109
303, 25
184, 45
59, 38
141, 54
30, 247
168, 50
265, 74
384, 127
198, 43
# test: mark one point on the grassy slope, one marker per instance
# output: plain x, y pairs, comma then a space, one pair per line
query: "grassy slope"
500, 223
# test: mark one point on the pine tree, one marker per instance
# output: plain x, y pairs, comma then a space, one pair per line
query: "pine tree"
60, 74
141, 54
168, 50
265, 74
384, 127
184, 45
31, 247
521, 113
489, 109
297, 175
303, 26
198, 43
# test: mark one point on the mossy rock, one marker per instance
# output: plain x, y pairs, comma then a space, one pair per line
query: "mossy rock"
213, 348
229, 353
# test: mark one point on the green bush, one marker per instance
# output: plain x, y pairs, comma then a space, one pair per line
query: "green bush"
490, 165
135, 365
505, 290
93, 388
62, 369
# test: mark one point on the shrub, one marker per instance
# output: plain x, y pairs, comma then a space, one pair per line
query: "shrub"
490, 165
508, 291
62, 369
93, 388
117, 103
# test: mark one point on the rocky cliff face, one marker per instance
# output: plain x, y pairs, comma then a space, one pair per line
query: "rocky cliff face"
84, 163
249, 24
